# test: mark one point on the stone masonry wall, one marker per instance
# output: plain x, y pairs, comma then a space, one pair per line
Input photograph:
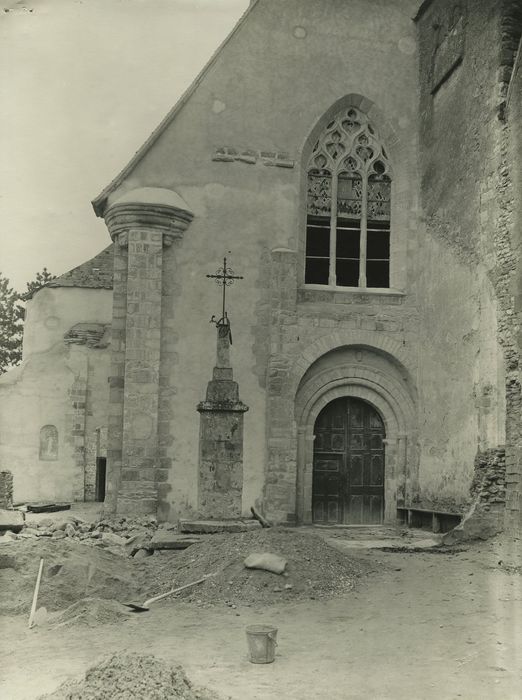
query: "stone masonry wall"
117, 374
304, 319
489, 482
75, 418
511, 192
142, 364
6, 489
461, 160
281, 473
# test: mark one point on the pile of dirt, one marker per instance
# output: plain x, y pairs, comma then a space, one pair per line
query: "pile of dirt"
74, 571
71, 572
126, 676
314, 569
91, 612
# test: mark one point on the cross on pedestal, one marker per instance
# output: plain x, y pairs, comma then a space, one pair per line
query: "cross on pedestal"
225, 277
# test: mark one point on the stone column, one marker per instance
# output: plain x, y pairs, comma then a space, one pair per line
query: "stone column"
143, 224
220, 477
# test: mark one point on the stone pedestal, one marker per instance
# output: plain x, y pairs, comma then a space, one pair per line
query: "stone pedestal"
143, 224
220, 476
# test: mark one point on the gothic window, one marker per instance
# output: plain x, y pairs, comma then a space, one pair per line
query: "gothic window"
348, 206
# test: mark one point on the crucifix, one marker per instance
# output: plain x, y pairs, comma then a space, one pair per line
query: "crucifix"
224, 277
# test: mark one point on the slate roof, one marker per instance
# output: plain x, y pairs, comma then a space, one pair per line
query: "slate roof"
96, 273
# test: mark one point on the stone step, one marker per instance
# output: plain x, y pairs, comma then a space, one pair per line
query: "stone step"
163, 539
12, 520
208, 527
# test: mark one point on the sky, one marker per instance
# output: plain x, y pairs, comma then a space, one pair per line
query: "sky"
83, 83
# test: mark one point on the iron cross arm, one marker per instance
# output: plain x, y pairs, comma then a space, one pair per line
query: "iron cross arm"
225, 277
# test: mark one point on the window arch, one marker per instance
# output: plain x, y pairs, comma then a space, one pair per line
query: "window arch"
348, 206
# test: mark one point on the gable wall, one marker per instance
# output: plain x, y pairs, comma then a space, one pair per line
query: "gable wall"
236, 152
265, 93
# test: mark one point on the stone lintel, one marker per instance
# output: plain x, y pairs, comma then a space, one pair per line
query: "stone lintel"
164, 539
209, 527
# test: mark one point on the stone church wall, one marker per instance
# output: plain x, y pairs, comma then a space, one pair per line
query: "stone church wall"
461, 364
234, 152
511, 194
52, 404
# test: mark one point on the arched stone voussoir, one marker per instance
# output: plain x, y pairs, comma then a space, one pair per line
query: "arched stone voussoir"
384, 392
339, 339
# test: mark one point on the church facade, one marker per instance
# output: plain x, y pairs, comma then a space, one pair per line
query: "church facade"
357, 163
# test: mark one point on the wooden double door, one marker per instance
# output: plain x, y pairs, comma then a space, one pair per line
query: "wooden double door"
348, 469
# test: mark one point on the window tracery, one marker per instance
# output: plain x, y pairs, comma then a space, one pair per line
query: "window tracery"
348, 206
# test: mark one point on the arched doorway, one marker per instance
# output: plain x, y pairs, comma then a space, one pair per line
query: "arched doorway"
348, 464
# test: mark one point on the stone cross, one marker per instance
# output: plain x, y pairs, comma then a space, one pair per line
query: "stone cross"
224, 277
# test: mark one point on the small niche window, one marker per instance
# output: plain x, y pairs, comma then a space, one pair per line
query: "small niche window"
348, 206
48, 443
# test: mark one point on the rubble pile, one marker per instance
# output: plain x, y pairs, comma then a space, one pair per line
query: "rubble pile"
99, 561
126, 676
115, 532
313, 570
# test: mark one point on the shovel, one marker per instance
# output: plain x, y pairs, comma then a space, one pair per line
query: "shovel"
145, 607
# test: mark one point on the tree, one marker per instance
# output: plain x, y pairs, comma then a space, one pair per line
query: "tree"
11, 326
40, 281
12, 314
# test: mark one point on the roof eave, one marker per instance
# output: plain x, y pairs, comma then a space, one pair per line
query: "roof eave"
100, 202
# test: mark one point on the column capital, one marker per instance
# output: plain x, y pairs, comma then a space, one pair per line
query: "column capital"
148, 208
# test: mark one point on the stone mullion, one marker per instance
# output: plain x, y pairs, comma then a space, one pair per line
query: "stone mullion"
332, 273
364, 231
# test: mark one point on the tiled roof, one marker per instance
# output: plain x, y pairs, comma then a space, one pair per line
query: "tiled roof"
96, 273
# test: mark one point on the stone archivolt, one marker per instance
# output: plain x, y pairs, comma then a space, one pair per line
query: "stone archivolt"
387, 394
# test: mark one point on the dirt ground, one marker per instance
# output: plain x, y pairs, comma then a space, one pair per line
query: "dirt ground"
418, 625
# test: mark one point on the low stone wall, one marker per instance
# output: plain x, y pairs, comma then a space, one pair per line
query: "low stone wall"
6, 489
489, 482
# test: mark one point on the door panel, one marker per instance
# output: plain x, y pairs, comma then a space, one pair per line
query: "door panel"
348, 473
327, 488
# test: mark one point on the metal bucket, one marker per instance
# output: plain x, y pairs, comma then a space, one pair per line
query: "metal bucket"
261, 643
